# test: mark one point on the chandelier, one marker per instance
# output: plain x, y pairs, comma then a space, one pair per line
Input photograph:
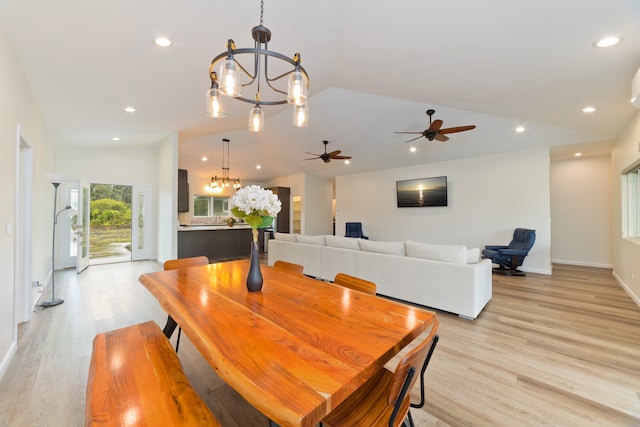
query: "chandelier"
219, 184
227, 83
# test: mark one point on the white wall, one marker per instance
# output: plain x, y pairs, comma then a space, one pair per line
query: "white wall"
167, 199
581, 211
626, 251
489, 197
18, 107
316, 206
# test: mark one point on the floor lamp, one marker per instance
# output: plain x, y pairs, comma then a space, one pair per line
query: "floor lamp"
54, 301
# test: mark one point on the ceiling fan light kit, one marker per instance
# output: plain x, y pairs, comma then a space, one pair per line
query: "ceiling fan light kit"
228, 82
435, 131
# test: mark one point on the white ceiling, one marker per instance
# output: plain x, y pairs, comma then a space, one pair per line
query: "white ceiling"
375, 68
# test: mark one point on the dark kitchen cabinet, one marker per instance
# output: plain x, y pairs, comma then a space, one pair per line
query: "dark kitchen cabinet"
183, 190
281, 223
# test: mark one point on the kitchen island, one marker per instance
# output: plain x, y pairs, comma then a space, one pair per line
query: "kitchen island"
216, 242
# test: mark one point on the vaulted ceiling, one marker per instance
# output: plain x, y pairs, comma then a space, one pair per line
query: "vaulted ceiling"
375, 68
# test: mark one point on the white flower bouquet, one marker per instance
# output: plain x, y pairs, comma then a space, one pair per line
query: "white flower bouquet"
256, 206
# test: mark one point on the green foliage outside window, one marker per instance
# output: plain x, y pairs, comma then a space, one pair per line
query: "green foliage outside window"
110, 213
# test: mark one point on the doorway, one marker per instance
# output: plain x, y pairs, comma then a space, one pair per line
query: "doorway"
108, 225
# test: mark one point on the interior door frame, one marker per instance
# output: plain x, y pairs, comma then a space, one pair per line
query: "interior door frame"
22, 229
84, 203
145, 252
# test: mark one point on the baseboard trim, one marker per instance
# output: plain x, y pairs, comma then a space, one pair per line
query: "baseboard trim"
8, 357
581, 264
627, 289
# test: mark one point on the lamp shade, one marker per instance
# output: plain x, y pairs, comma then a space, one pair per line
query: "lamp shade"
229, 84
301, 115
215, 105
256, 119
297, 89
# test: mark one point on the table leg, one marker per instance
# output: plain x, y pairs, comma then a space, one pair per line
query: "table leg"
169, 327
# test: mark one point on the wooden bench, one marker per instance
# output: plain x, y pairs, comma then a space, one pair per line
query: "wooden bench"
136, 379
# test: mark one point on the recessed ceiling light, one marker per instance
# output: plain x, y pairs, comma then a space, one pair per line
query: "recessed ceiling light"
608, 41
347, 162
413, 149
589, 109
258, 167
115, 138
578, 154
129, 109
520, 129
162, 42
204, 158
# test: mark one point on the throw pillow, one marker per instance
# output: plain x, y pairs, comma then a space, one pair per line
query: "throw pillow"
342, 242
447, 253
473, 255
312, 240
286, 237
391, 248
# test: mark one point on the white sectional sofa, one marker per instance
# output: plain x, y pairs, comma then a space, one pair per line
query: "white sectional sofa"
445, 277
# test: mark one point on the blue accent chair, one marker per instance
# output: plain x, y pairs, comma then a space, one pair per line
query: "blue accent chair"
509, 258
354, 229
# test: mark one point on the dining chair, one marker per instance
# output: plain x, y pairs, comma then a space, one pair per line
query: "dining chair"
385, 398
174, 264
288, 267
355, 283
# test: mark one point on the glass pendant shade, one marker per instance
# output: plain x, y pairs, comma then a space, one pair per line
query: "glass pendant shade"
256, 119
301, 115
229, 84
297, 89
215, 106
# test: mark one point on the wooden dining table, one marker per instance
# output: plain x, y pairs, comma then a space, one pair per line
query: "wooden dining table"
297, 348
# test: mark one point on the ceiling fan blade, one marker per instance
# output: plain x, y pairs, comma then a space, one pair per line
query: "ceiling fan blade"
412, 132
418, 137
440, 137
312, 158
334, 153
340, 157
436, 125
458, 129
313, 154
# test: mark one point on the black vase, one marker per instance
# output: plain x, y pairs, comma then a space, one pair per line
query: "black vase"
254, 278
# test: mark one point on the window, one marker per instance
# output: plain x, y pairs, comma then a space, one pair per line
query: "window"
210, 206
631, 186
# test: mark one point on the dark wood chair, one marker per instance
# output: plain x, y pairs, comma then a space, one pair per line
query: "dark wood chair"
385, 398
355, 283
288, 267
174, 264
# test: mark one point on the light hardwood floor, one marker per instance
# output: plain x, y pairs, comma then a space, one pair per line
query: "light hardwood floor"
559, 350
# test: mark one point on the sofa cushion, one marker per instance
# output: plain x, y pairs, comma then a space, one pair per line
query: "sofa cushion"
285, 237
342, 242
473, 255
448, 253
312, 240
391, 248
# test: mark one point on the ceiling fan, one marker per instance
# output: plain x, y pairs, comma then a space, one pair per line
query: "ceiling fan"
326, 157
434, 130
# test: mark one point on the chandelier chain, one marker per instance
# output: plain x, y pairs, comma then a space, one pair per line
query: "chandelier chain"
261, 11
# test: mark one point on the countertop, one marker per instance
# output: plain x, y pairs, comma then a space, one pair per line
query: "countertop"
199, 227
